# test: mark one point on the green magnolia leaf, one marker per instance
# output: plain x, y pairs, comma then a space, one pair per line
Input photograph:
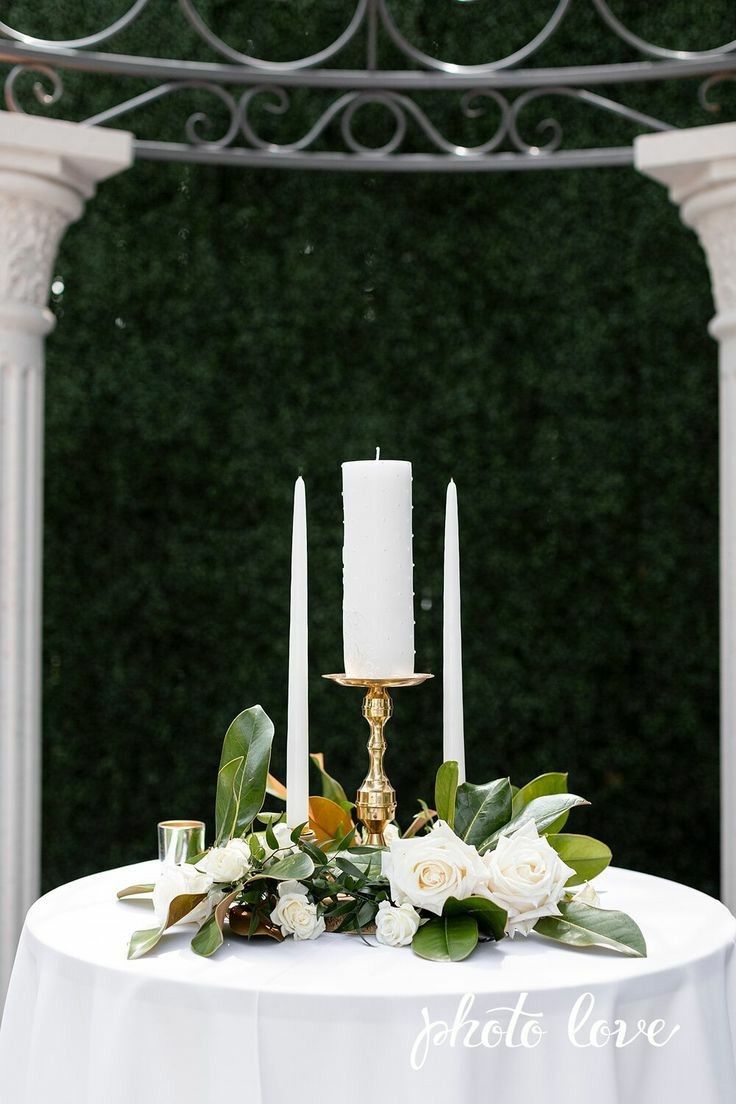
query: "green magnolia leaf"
227, 797
299, 865
209, 938
542, 786
134, 891
491, 918
331, 788
445, 790
446, 939
181, 906
480, 810
141, 942
544, 811
587, 856
241, 781
582, 925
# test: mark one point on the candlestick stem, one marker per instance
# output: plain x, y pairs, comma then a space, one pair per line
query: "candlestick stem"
376, 799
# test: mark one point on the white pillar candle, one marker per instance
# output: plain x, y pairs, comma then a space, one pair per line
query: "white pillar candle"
452, 644
378, 572
297, 730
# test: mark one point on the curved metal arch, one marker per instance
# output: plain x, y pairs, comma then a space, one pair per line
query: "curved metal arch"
221, 47
415, 54
650, 49
78, 43
485, 85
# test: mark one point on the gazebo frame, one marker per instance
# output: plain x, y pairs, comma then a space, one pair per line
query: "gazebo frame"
49, 167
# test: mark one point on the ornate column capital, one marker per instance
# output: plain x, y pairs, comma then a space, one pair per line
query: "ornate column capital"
698, 166
47, 169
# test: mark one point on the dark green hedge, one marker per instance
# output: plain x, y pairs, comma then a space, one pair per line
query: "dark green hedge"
541, 337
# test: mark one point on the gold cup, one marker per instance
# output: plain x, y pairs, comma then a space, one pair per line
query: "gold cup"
376, 798
180, 840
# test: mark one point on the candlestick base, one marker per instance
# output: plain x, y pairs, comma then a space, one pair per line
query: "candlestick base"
376, 798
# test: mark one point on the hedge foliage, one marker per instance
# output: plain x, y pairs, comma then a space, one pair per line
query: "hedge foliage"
541, 337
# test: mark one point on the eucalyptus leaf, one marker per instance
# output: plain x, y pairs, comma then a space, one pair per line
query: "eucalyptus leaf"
265, 817
481, 810
491, 918
445, 790
421, 820
367, 863
241, 781
581, 925
271, 840
341, 842
446, 939
544, 811
588, 857
257, 849
299, 865
349, 867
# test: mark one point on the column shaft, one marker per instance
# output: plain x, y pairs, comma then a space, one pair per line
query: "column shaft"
727, 449
47, 169
699, 168
21, 475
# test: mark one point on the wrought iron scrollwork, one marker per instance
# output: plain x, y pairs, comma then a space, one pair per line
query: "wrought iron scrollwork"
649, 48
82, 43
244, 87
413, 52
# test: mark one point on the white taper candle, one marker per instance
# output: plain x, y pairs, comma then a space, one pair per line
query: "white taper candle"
297, 730
378, 572
452, 645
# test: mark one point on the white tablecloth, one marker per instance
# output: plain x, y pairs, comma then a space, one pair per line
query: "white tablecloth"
337, 1021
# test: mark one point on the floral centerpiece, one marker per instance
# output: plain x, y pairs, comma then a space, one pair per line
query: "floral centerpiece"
487, 862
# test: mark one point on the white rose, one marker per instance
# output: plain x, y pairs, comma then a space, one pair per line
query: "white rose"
525, 876
426, 870
390, 833
176, 881
294, 914
396, 925
227, 864
239, 847
588, 895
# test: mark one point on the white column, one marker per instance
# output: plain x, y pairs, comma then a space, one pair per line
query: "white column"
47, 170
699, 168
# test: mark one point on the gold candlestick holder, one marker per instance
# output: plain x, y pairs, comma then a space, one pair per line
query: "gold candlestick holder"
376, 798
